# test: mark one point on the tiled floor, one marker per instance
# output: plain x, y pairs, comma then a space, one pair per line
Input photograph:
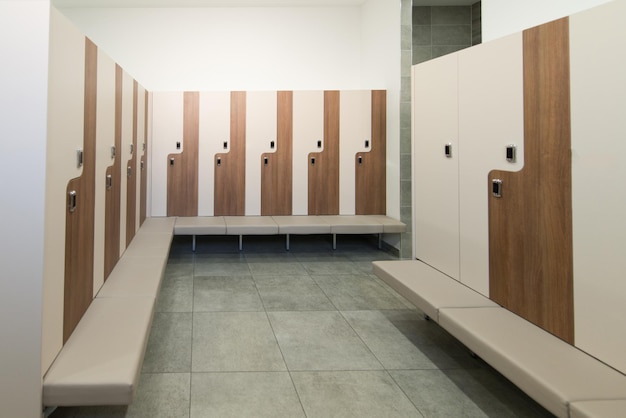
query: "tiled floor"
305, 333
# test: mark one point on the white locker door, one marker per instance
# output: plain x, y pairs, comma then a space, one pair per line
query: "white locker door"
491, 117
598, 88
435, 175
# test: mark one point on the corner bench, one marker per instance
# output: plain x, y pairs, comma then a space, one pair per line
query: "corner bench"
101, 361
563, 379
287, 225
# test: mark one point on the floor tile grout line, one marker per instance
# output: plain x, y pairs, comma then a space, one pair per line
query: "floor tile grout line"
404, 393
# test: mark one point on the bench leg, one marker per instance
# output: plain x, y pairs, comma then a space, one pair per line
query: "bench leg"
240, 242
193, 243
334, 241
287, 241
380, 241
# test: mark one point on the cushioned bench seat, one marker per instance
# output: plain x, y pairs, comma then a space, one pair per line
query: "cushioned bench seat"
615, 408
199, 225
150, 244
301, 225
135, 276
549, 370
101, 361
427, 288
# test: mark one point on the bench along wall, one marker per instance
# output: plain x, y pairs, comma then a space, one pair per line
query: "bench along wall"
269, 153
538, 227
95, 186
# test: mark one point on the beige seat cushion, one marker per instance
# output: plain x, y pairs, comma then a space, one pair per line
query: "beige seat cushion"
549, 370
134, 276
158, 225
427, 288
390, 225
250, 225
101, 361
155, 244
598, 409
302, 225
200, 225
353, 224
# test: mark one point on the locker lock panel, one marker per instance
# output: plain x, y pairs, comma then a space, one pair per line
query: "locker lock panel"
447, 149
511, 151
496, 188
79, 158
178, 145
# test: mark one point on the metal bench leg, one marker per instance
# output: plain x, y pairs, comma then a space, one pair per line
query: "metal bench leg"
193, 243
240, 242
380, 241
287, 241
334, 241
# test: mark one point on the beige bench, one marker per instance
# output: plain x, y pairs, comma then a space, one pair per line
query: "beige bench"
287, 225
101, 361
563, 379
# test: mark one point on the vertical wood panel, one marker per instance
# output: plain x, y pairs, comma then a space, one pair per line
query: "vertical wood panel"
324, 173
276, 175
530, 228
144, 164
370, 174
182, 179
230, 174
131, 176
112, 210
79, 238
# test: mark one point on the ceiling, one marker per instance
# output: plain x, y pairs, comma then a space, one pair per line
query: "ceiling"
239, 3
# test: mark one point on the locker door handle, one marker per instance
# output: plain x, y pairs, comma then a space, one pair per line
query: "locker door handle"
129, 171
113, 152
265, 161
319, 144
142, 164
132, 149
496, 188
79, 158
448, 150
71, 201
272, 144
109, 181
219, 161
312, 160
171, 161
360, 160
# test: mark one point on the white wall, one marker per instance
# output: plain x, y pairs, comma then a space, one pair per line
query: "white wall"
23, 106
504, 17
221, 49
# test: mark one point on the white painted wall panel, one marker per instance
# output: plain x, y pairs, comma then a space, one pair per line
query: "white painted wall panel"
260, 131
598, 88
491, 116
214, 131
167, 129
308, 128
105, 139
66, 98
355, 122
24, 41
436, 177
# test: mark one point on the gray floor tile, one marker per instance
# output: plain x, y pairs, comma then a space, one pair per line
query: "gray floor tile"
292, 293
390, 346
320, 341
222, 293
356, 292
276, 269
169, 345
179, 270
162, 395
388, 288
236, 395
234, 341
330, 268
204, 258
352, 394
176, 295
261, 257
210, 268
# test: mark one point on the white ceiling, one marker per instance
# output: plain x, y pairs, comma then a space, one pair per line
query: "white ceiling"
239, 3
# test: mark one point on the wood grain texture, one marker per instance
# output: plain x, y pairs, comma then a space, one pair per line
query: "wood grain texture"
143, 200
530, 227
276, 175
324, 173
131, 176
79, 233
182, 179
112, 202
230, 168
371, 172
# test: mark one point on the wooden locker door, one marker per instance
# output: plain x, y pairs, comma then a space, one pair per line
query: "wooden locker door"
598, 88
143, 165
131, 172
230, 167
436, 176
182, 180
530, 226
323, 166
371, 166
308, 132
491, 117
